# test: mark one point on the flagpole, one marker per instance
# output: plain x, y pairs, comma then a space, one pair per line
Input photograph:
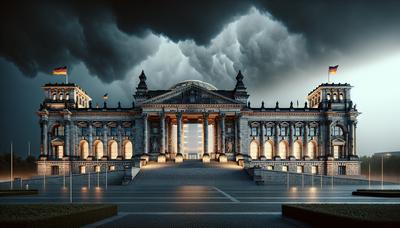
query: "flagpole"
66, 78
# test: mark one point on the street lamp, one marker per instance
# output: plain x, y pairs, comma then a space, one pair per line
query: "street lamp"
383, 155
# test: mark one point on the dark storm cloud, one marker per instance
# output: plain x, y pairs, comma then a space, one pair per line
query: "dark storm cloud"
109, 38
340, 24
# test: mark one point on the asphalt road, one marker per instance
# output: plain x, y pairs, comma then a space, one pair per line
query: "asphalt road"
196, 195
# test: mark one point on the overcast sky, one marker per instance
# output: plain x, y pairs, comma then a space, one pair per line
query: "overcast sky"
282, 47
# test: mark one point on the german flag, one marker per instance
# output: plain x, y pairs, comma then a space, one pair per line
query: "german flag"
333, 69
60, 71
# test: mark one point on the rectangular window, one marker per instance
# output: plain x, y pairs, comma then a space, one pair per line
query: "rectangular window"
283, 131
297, 131
155, 130
127, 131
111, 168
269, 131
114, 131
299, 169
84, 131
99, 131
82, 169
312, 131
270, 167
284, 168
254, 131
342, 170
97, 168
314, 169
229, 130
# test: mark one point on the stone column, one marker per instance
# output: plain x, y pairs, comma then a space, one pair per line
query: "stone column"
145, 133
67, 133
222, 115
76, 144
216, 136
179, 132
262, 154
354, 152
205, 133
162, 124
105, 140
45, 142
169, 134
291, 137
276, 140
119, 136
237, 134
305, 139
91, 139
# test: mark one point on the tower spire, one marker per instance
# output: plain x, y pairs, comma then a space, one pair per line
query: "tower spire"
240, 92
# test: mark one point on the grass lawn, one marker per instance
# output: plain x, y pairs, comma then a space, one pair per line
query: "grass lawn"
387, 214
18, 192
51, 215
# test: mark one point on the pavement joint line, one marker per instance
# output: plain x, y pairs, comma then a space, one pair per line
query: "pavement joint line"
226, 194
203, 213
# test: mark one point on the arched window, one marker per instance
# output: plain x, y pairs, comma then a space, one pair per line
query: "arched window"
341, 96
268, 150
312, 150
297, 149
337, 131
128, 149
54, 96
334, 96
98, 149
283, 150
84, 149
328, 96
282, 131
61, 96
254, 150
58, 130
113, 149
67, 96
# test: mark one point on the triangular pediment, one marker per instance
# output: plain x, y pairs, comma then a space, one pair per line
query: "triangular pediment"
191, 94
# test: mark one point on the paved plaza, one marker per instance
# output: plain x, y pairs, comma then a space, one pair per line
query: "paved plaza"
193, 194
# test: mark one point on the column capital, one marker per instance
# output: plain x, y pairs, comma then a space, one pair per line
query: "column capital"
205, 114
145, 115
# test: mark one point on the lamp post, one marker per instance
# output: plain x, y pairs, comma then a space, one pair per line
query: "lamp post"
383, 155
11, 166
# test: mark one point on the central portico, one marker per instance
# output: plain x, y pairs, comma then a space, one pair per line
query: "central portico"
189, 121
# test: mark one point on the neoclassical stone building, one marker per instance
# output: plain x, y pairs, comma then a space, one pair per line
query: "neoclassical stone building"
195, 120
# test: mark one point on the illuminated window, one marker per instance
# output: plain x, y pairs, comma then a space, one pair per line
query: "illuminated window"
97, 168
334, 96
111, 168
341, 96
314, 169
270, 167
328, 97
82, 169
299, 169
54, 96
67, 96
284, 168
61, 96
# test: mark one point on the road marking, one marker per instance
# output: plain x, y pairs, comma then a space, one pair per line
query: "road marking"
226, 194
105, 221
203, 213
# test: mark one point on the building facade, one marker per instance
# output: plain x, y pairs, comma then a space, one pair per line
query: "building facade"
195, 120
